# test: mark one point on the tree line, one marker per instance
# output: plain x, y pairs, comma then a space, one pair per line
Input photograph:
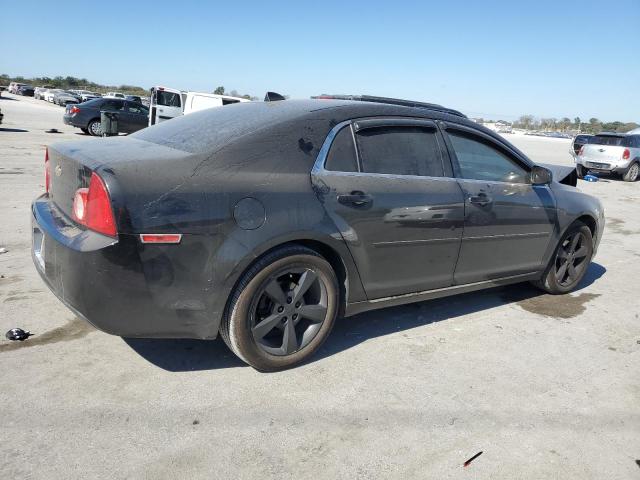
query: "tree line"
565, 124
75, 83
70, 82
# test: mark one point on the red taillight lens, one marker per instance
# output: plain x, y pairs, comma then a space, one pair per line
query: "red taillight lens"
74, 109
626, 154
92, 207
47, 171
581, 151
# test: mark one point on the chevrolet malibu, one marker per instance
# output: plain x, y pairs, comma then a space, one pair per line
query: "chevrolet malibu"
265, 221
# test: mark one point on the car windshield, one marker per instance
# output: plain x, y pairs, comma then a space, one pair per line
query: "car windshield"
611, 140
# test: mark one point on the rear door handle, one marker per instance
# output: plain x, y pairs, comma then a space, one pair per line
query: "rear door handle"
355, 198
480, 199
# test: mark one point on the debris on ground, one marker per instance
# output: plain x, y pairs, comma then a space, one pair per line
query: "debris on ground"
17, 334
3, 250
52, 130
468, 462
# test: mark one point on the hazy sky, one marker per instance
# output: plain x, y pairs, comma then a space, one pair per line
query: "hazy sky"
486, 58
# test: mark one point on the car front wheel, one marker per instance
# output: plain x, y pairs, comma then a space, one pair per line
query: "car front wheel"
570, 261
282, 310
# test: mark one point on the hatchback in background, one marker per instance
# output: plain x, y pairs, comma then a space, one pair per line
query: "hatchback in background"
616, 153
132, 116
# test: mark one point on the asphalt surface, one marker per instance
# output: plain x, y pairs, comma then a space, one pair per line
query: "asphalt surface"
546, 387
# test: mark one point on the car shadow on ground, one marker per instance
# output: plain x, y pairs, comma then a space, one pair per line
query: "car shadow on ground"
194, 355
13, 130
8, 98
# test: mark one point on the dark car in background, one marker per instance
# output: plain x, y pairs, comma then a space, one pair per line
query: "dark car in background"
578, 141
26, 90
66, 98
133, 98
264, 221
132, 116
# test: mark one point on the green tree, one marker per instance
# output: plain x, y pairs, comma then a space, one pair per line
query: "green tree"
219, 91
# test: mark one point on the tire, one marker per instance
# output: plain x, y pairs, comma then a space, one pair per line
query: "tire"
632, 173
93, 127
581, 171
295, 320
85, 131
575, 254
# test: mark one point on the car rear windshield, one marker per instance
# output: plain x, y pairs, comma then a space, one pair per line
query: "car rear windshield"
612, 140
208, 130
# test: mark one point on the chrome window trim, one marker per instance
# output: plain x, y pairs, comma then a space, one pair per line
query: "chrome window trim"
318, 166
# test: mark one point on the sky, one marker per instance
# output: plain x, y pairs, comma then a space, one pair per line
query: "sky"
486, 58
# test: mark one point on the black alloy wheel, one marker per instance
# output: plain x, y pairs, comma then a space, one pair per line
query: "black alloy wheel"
289, 311
282, 309
570, 259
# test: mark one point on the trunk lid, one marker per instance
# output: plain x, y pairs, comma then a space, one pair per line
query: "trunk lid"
602, 150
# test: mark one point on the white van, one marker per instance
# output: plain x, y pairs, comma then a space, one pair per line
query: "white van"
168, 103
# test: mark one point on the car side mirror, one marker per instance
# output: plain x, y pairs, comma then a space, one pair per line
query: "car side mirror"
541, 176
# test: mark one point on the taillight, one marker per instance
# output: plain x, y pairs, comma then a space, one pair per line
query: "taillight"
581, 151
92, 207
47, 171
626, 154
74, 109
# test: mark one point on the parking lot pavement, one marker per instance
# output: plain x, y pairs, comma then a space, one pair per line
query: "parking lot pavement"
546, 386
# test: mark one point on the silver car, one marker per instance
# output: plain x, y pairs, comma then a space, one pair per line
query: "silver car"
606, 152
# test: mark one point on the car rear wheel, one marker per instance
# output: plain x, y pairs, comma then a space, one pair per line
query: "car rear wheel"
570, 261
282, 310
631, 175
94, 128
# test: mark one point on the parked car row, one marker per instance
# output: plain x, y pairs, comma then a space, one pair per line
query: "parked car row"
64, 97
21, 89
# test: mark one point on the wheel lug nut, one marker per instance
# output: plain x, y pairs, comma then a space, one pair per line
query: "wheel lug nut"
284, 319
280, 309
294, 316
289, 300
297, 304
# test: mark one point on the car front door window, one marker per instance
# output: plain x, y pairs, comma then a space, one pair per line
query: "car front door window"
479, 161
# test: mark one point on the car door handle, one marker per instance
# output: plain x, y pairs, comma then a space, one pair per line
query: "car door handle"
355, 198
480, 199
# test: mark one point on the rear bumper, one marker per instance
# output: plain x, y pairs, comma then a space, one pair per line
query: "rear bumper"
117, 285
618, 167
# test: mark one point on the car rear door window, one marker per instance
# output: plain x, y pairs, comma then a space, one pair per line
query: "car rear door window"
400, 150
168, 99
479, 160
112, 106
342, 155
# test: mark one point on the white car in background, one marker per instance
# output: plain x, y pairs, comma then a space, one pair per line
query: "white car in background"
49, 94
114, 95
168, 103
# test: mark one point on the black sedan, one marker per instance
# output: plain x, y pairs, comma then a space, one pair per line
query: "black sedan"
26, 90
264, 221
132, 116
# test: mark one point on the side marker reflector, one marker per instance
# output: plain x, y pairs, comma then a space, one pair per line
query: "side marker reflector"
160, 237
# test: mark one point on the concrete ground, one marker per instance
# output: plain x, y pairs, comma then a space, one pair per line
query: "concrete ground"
546, 387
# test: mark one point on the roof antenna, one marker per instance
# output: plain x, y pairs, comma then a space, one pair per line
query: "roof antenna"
273, 97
